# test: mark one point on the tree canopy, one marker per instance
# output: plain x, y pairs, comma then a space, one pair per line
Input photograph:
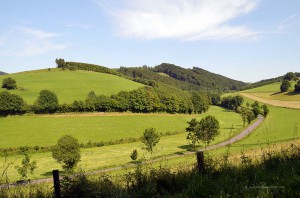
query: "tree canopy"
47, 102
9, 83
285, 85
11, 104
67, 152
150, 138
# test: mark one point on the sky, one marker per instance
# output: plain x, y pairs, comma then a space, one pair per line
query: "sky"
246, 40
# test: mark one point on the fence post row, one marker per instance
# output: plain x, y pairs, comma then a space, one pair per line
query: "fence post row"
56, 183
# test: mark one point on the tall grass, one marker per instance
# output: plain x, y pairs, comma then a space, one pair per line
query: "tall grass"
273, 172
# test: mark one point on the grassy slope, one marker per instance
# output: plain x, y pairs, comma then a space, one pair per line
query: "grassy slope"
68, 85
272, 92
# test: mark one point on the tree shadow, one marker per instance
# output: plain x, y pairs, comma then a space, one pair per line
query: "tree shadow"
292, 93
276, 93
49, 173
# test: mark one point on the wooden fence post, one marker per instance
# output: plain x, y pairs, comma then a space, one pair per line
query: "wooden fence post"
56, 183
200, 161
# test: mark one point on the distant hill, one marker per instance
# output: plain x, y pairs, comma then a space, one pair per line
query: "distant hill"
266, 82
186, 79
2, 73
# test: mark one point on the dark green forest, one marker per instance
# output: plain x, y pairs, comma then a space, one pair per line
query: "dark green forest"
187, 79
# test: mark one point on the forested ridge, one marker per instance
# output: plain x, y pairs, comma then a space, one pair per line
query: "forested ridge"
186, 79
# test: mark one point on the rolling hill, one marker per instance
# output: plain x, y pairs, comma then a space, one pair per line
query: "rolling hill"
68, 85
2, 73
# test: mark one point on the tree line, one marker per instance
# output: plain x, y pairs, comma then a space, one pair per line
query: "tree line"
142, 100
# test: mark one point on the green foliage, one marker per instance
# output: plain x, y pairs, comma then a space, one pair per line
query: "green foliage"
9, 83
206, 130
60, 63
26, 167
47, 102
246, 114
192, 135
89, 67
289, 76
150, 138
285, 86
186, 79
134, 154
265, 110
199, 77
297, 86
67, 152
232, 102
11, 104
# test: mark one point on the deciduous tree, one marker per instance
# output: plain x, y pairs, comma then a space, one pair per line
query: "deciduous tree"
9, 83
150, 138
67, 152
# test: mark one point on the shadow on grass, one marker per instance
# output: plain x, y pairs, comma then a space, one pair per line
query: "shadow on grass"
276, 93
292, 93
49, 173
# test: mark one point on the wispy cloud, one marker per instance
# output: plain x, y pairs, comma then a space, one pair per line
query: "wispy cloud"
180, 19
28, 42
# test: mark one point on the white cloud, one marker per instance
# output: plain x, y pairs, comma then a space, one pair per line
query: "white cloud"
180, 19
28, 42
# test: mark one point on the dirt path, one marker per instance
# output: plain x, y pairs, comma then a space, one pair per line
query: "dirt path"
278, 103
238, 137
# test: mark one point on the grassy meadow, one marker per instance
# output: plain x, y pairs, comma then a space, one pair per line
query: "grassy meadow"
68, 85
272, 92
112, 126
44, 130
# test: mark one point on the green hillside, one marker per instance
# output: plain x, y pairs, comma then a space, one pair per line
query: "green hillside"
272, 92
2, 73
68, 85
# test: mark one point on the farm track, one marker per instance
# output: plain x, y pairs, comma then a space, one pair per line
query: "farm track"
238, 137
277, 103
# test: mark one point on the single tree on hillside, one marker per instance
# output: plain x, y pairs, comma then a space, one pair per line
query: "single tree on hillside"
67, 152
192, 136
285, 85
150, 138
9, 83
205, 130
60, 63
47, 102
297, 86
208, 129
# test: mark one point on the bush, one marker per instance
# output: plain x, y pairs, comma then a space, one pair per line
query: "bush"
9, 83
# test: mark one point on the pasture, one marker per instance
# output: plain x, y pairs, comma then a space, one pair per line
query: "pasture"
97, 128
68, 85
272, 92
43, 130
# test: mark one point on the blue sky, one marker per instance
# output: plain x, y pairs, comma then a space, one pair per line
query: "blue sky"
246, 40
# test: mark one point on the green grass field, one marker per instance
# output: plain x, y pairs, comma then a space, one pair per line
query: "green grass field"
113, 127
68, 85
272, 92
39, 130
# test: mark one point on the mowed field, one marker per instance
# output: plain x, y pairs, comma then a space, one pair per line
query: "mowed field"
105, 127
68, 85
270, 94
43, 130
